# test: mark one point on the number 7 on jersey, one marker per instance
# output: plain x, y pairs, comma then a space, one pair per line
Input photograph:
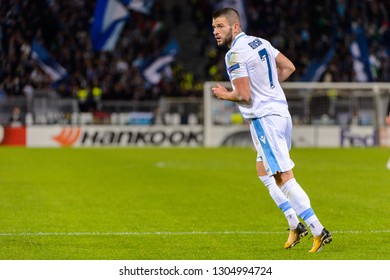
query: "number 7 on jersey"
264, 56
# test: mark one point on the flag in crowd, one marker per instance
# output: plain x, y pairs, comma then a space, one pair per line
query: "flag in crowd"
317, 67
155, 67
141, 6
53, 69
360, 56
110, 16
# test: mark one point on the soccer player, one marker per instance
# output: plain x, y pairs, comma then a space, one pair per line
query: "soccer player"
255, 70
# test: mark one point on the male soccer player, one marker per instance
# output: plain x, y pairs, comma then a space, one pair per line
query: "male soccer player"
255, 70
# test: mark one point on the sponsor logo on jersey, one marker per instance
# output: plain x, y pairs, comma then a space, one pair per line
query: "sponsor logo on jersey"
229, 56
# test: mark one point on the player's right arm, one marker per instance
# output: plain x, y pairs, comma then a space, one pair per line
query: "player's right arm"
284, 66
239, 78
241, 92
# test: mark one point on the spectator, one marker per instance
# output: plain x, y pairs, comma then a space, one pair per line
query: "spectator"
16, 118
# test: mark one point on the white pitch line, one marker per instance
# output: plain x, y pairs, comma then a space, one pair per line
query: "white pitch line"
173, 233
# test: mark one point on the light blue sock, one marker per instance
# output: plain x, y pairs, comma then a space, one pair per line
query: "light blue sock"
281, 201
300, 202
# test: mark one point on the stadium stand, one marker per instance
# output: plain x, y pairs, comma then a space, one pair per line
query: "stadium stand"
311, 33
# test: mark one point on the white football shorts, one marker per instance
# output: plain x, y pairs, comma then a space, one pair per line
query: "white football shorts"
271, 136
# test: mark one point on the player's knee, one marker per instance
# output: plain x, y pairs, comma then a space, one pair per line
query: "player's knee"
284, 177
260, 169
278, 180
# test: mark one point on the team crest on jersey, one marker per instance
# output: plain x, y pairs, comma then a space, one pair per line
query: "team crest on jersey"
233, 67
229, 56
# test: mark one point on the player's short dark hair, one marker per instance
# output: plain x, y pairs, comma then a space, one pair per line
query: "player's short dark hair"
230, 14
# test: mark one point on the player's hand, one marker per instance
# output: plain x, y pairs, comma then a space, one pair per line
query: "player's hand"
219, 91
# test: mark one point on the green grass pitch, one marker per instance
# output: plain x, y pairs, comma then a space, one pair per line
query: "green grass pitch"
185, 204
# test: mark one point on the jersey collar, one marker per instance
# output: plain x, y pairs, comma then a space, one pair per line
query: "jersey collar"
238, 37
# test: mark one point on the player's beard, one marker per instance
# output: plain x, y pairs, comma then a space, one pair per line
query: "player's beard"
228, 39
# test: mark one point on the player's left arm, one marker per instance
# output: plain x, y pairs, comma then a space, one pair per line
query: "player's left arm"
241, 92
284, 66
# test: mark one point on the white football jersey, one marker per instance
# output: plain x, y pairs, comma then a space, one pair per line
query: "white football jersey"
254, 57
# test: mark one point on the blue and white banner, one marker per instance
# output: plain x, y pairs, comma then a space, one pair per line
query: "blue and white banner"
141, 6
154, 68
239, 6
53, 69
360, 56
110, 17
317, 67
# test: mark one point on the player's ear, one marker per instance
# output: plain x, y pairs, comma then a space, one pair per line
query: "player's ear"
237, 27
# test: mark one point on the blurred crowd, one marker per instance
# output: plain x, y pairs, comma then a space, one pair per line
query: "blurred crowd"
303, 30
62, 27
